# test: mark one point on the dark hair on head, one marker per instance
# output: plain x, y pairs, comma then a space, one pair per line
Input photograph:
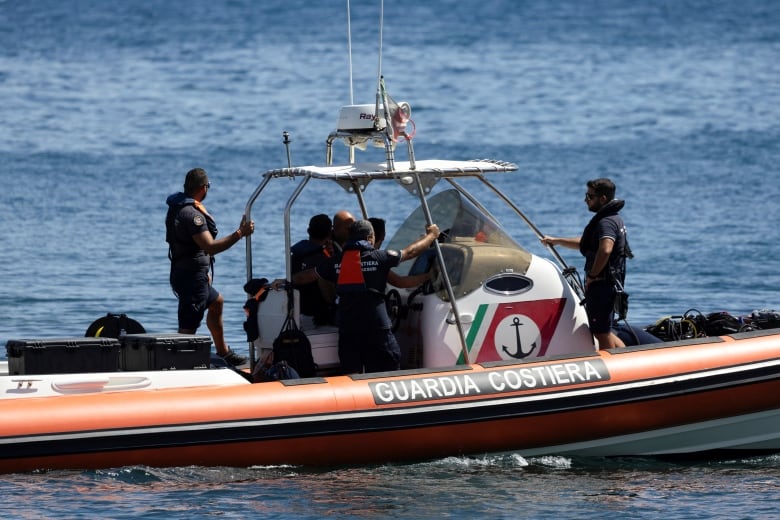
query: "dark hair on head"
379, 228
196, 178
603, 186
320, 227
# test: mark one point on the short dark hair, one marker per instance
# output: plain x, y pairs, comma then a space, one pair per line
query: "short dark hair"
320, 227
603, 186
379, 227
196, 178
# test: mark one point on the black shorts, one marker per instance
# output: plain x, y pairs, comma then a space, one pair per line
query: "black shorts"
599, 303
195, 293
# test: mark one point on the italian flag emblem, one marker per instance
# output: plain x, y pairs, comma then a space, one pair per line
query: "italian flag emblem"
516, 330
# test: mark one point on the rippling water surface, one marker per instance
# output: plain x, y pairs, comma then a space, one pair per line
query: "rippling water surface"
107, 105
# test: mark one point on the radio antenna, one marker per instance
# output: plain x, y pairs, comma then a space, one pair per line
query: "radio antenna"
379, 100
287, 142
381, 29
349, 52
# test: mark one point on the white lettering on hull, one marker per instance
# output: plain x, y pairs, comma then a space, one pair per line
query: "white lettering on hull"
488, 383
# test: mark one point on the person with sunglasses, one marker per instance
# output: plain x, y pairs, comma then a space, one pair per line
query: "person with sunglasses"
191, 233
604, 245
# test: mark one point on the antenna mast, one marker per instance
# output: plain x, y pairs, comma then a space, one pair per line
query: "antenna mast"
349, 51
381, 29
379, 71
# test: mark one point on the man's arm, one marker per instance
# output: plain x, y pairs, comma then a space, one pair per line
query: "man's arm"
571, 243
415, 248
406, 282
207, 243
602, 257
304, 277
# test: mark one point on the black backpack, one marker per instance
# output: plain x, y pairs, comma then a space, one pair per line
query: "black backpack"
293, 347
113, 326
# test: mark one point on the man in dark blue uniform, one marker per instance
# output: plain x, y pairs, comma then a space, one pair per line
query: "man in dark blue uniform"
366, 341
605, 247
191, 233
316, 301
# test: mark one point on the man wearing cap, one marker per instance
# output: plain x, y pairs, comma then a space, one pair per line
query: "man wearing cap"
316, 301
191, 233
366, 341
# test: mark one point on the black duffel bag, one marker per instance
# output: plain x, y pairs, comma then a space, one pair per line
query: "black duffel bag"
293, 347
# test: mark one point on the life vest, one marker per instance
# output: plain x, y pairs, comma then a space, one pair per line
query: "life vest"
184, 249
350, 278
589, 242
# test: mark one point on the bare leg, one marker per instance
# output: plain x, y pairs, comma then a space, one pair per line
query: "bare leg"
214, 323
608, 340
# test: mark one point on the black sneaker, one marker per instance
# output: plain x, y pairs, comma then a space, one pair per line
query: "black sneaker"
233, 359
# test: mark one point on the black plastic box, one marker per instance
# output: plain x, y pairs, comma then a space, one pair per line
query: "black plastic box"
62, 355
165, 351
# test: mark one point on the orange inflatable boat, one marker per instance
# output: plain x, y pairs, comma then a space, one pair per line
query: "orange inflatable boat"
497, 356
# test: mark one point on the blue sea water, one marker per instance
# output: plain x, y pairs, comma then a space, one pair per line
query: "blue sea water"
106, 105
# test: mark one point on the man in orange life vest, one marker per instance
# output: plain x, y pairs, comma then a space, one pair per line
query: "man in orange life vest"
191, 234
366, 341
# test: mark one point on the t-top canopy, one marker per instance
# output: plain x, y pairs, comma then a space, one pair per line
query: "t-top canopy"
438, 168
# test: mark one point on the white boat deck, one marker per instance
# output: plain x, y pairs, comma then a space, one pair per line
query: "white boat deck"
47, 385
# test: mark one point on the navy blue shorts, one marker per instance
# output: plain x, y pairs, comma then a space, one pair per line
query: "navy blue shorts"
195, 294
372, 350
600, 303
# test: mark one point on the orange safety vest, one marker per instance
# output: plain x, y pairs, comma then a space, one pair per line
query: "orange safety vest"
350, 277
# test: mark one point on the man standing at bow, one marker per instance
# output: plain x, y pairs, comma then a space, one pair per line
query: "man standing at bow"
605, 247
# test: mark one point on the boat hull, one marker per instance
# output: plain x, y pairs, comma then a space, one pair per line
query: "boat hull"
671, 399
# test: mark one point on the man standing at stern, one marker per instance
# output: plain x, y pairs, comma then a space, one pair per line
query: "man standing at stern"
605, 247
191, 233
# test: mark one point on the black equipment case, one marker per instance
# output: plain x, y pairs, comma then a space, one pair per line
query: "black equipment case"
165, 351
62, 355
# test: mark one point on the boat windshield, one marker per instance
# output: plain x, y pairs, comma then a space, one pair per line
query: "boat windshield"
459, 220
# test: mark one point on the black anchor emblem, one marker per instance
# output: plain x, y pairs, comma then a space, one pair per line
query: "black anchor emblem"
520, 354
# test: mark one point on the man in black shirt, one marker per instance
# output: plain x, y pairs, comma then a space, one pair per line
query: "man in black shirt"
191, 233
604, 245
316, 301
